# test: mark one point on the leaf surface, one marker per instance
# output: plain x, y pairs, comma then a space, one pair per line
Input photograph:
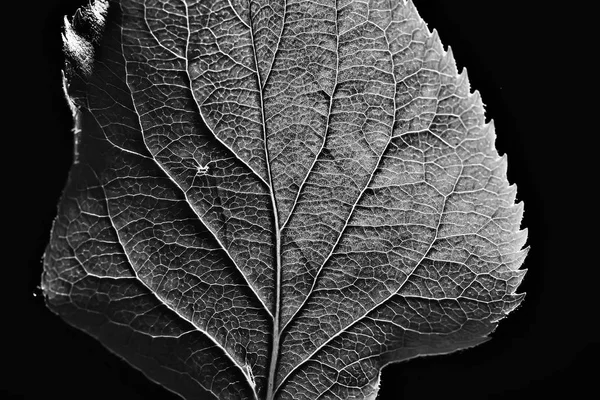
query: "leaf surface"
275, 199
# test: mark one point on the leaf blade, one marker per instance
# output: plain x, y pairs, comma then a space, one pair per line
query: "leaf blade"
383, 209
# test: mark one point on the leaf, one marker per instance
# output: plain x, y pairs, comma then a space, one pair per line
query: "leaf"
274, 200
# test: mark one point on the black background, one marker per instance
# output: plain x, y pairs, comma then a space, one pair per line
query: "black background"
517, 57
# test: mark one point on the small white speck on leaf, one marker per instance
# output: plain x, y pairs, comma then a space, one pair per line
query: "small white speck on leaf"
202, 169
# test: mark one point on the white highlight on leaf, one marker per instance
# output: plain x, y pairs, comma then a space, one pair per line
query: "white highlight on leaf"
77, 46
202, 169
248, 370
99, 10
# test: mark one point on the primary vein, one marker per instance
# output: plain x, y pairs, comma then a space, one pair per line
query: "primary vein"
275, 331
